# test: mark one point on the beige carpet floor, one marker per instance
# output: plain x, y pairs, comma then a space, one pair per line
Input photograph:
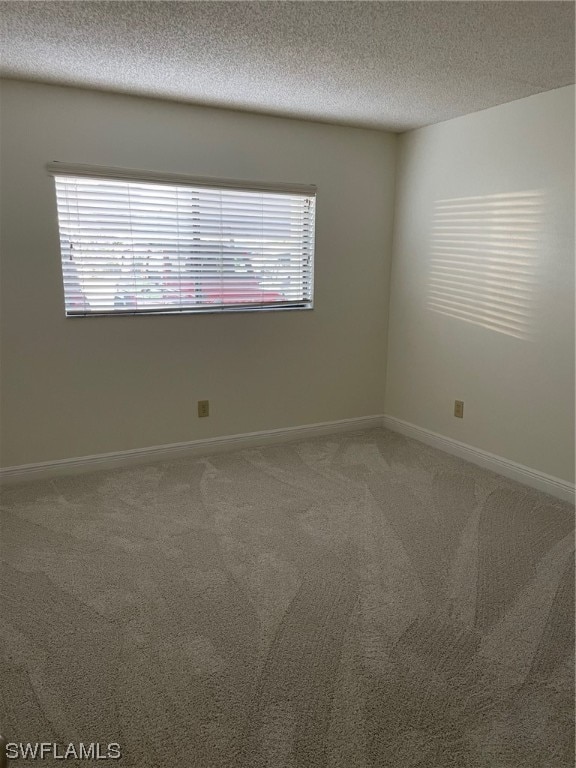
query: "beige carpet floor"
355, 601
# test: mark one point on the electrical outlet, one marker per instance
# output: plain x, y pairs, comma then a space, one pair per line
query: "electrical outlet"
459, 409
203, 408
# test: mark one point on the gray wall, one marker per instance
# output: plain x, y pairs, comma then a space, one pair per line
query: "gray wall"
81, 386
485, 312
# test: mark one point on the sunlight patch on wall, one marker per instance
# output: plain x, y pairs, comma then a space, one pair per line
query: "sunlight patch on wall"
484, 260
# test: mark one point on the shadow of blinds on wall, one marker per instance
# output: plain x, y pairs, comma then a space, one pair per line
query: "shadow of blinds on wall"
484, 258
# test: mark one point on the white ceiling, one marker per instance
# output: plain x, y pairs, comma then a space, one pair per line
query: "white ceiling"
393, 65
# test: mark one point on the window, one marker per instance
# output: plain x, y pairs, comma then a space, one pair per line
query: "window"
137, 243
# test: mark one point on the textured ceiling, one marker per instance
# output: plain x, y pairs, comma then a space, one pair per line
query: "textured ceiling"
394, 65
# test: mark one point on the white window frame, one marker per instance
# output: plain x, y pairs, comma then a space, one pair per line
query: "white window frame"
60, 169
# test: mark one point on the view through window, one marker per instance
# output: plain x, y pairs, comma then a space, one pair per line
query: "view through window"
133, 246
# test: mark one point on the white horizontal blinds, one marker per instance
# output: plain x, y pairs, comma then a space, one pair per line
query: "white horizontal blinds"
131, 246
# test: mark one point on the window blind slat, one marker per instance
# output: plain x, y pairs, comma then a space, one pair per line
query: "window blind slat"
132, 246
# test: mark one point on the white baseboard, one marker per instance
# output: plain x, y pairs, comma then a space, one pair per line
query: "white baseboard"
532, 477
208, 446
205, 447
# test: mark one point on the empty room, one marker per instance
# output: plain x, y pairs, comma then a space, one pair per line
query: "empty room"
287, 384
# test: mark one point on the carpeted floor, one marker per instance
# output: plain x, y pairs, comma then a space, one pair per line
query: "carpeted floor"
355, 601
